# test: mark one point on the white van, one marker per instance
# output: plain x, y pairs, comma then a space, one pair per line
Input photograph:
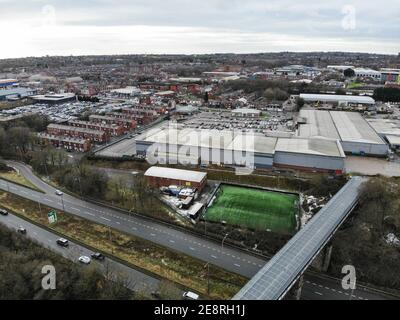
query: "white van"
190, 296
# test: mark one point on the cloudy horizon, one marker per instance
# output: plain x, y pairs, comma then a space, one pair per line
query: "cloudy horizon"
39, 27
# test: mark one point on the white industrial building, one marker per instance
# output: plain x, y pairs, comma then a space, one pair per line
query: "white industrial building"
306, 154
367, 73
356, 135
335, 98
236, 148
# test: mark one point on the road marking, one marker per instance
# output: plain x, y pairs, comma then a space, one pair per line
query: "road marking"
214, 257
48, 200
105, 219
172, 241
237, 265
318, 293
193, 249
88, 213
134, 228
76, 209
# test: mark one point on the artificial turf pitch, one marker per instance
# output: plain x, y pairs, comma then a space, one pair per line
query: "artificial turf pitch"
255, 209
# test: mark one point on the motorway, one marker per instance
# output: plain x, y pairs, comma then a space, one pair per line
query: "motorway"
230, 259
132, 278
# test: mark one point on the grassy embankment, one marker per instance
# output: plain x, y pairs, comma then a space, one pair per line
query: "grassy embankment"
177, 267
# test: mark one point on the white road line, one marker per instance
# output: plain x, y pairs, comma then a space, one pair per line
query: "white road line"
318, 293
105, 219
88, 213
237, 265
172, 241
214, 257
152, 234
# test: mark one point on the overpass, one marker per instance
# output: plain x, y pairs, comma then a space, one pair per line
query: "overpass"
278, 276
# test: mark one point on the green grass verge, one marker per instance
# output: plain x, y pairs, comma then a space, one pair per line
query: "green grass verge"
161, 261
255, 209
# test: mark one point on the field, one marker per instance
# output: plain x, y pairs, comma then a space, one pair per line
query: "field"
255, 209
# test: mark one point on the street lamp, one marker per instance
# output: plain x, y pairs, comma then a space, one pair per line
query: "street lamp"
223, 240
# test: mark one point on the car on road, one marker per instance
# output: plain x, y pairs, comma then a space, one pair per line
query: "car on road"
3, 212
21, 230
59, 193
98, 256
188, 295
84, 260
63, 242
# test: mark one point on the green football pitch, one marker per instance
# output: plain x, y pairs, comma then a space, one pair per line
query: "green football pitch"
254, 208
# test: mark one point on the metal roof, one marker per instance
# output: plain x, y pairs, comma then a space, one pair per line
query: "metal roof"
352, 127
319, 147
176, 174
319, 125
337, 98
274, 280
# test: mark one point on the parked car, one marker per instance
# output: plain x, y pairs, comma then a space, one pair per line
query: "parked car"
188, 295
3, 212
59, 193
84, 260
21, 230
98, 256
63, 242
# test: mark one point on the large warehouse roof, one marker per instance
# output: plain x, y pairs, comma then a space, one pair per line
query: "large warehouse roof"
331, 148
352, 127
385, 126
175, 174
214, 139
319, 125
346, 126
337, 98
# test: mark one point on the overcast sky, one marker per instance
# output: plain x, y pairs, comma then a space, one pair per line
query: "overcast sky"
59, 27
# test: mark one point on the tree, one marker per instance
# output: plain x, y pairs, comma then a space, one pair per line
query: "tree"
300, 103
349, 73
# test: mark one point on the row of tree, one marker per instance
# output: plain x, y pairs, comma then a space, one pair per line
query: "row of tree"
21, 263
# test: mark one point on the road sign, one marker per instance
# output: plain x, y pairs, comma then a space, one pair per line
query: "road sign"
52, 216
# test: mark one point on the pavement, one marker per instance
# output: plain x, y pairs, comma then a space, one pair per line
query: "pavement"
132, 278
228, 258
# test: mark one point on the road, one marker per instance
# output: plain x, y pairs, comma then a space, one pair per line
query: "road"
133, 279
230, 259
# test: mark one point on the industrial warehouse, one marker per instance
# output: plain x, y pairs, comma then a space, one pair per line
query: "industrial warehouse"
235, 148
356, 135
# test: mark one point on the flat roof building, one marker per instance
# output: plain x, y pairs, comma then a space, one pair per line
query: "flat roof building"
334, 98
310, 154
54, 98
356, 135
163, 177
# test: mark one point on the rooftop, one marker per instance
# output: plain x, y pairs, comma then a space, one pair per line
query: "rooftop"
337, 98
177, 174
331, 148
352, 127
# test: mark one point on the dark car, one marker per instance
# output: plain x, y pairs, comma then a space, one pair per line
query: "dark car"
63, 242
3, 212
21, 230
98, 256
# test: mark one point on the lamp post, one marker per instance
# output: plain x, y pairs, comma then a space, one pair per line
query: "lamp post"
223, 240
